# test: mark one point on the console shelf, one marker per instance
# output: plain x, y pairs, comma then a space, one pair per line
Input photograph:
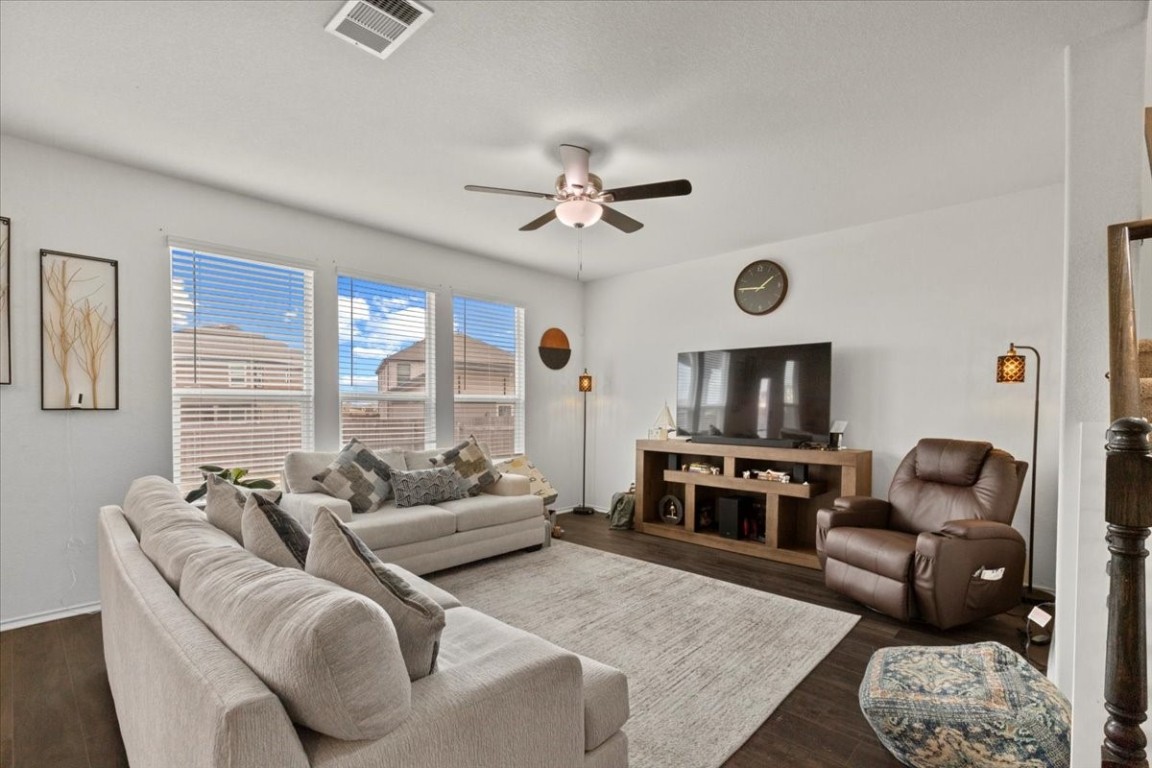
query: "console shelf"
789, 509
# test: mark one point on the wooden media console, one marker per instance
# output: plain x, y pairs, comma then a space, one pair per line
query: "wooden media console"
788, 528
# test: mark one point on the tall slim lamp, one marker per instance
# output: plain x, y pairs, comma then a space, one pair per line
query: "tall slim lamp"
585, 385
1010, 369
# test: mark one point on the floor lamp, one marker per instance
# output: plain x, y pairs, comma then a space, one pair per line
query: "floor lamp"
585, 384
1010, 369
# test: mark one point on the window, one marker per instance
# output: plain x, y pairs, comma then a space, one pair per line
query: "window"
387, 364
241, 364
488, 374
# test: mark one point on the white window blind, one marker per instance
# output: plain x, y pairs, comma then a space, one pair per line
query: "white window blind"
242, 364
387, 364
488, 374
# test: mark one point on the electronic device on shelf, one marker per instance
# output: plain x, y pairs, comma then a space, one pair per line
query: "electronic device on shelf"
773, 396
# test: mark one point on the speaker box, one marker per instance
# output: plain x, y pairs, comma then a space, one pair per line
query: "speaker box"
673, 461
729, 510
799, 473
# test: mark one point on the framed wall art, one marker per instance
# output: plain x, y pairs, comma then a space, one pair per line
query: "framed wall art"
5, 301
80, 334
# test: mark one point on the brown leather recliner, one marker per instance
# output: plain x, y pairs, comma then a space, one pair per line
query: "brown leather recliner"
932, 551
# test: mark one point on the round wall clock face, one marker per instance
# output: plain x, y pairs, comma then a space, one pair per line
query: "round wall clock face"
760, 287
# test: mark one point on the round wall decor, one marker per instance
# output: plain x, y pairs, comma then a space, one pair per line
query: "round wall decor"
671, 510
554, 349
760, 287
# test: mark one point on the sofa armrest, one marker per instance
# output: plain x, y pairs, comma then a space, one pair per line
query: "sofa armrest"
304, 506
509, 485
975, 530
519, 703
849, 512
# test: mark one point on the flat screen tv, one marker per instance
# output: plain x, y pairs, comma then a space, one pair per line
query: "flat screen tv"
758, 395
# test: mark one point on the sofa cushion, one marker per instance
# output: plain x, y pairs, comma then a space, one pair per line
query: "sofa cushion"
605, 702
426, 486
153, 497
471, 463
338, 555
420, 459
392, 526
358, 476
272, 534
169, 539
329, 654
876, 550
442, 597
224, 504
483, 511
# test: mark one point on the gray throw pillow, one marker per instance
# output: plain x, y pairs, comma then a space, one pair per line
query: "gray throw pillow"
338, 555
426, 486
225, 502
358, 476
471, 463
272, 534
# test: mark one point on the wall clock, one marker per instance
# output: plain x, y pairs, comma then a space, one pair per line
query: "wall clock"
760, 287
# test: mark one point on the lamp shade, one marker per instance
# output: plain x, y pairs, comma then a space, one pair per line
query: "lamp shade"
579, 213
585, 381
1010, 367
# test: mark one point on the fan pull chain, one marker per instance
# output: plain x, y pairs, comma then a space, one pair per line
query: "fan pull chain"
579, 253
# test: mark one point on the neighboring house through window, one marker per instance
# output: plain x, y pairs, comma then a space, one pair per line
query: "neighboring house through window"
488, 374
242, 363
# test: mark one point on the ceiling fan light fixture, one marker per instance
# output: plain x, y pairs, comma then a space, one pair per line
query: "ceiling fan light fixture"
579, 213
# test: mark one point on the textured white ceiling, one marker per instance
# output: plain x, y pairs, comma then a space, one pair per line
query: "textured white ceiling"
788, 117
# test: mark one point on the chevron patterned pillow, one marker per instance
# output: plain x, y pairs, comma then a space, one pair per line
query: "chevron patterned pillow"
358, 476
426, 486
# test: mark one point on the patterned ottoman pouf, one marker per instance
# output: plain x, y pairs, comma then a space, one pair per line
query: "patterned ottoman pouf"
965, 705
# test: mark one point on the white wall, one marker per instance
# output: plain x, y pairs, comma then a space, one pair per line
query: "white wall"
917, 310
1105, 161
57, 468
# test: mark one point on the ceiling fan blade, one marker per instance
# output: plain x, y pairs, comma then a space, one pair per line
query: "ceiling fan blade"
575, 162
539, 222
647, 191
501, 191
625, 224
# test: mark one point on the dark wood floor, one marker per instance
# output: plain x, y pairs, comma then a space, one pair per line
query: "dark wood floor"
56, 710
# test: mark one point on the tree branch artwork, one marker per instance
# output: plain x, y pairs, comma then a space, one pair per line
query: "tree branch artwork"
78, 305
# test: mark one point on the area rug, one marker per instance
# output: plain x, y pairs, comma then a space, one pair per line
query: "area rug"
707, 661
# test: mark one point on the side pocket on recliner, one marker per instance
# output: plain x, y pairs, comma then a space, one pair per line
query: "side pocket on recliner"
983, 588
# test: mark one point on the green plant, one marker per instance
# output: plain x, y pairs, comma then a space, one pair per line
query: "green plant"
235, 476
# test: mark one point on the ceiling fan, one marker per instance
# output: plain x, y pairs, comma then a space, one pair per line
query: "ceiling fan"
581, 199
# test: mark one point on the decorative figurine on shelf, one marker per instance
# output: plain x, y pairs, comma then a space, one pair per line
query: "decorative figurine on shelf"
664, 426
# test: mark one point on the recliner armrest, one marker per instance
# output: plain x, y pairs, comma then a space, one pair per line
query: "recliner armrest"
974, 530
855, 512
304, 507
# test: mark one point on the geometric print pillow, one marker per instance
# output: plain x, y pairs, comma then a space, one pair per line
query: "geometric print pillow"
426, 486
358, 476
471, 464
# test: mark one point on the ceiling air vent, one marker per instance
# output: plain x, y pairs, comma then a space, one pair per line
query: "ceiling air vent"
378, 26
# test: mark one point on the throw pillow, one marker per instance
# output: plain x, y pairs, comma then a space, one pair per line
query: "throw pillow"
329, 654
426, 486
225, 504
471, 463
338, 555
358, 476
537, 483
272, 534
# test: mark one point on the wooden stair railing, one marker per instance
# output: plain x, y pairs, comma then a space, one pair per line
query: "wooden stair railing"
1128, 513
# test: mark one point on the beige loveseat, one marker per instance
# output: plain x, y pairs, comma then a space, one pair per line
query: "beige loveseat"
499, 696
505, 516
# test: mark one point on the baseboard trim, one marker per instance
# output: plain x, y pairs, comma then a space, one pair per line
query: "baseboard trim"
43, 616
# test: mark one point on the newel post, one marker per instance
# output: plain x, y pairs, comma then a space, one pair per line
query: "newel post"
1128, 512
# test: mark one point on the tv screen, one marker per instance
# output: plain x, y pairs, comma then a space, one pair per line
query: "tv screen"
768, 395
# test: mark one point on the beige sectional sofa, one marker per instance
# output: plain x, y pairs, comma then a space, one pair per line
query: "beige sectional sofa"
505, 516
499, 696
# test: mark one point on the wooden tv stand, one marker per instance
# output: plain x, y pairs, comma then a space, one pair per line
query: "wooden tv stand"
789, 508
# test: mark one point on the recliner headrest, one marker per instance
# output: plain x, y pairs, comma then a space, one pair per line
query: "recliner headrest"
956, 462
